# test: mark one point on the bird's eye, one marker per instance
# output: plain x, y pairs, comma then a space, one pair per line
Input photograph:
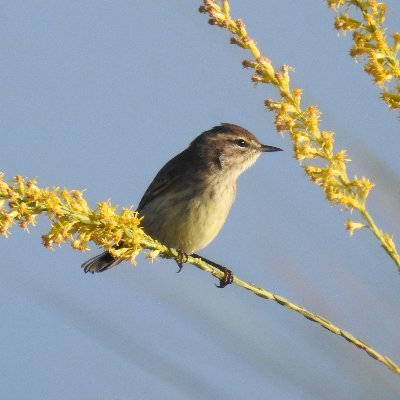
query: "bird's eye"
241, 143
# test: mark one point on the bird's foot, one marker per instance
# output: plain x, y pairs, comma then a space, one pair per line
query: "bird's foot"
227, 279
182, 258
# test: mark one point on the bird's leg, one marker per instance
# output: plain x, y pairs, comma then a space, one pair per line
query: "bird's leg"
182, 258
228, 276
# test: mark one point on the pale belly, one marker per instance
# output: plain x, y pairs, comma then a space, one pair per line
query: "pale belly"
188, 223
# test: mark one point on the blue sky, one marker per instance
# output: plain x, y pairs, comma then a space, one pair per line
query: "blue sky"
98, 95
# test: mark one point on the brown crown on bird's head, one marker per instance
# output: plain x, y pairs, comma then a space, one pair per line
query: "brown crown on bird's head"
230, 146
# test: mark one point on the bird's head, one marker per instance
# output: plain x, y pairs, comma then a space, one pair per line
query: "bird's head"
230, 147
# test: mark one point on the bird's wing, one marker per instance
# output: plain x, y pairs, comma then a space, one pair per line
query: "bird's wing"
168, 174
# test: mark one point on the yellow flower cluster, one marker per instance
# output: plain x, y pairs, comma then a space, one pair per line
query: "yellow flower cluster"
21, 201
302, 124
369, 41
72, 221
310, 144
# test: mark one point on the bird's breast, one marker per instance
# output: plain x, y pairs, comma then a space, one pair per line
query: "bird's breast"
189, 219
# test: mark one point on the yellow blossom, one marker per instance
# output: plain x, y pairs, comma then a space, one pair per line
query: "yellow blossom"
309, 142
152, 255
370, 43
351, 226
72, 220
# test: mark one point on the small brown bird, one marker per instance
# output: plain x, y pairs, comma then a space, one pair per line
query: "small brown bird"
188, 201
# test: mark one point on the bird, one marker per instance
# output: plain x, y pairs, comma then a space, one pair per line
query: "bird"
188, 201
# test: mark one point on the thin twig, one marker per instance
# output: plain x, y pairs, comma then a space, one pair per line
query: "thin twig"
261, 292
73, 222
302, 124
371, 43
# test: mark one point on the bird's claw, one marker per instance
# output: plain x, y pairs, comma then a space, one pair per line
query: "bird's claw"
227, 279
180, 260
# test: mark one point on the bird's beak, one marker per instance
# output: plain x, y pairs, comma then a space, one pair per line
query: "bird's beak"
266, 149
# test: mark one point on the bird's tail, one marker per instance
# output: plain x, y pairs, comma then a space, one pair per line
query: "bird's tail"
100, 263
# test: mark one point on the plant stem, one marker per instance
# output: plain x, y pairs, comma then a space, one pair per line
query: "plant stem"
265, 294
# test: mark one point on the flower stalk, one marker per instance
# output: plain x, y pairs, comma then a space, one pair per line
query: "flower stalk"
371, 44
73, 222
313, 147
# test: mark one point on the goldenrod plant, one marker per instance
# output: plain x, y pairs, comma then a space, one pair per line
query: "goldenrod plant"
365, 20
73, 222
312, 146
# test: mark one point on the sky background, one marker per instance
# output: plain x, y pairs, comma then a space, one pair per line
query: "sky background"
98, 95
